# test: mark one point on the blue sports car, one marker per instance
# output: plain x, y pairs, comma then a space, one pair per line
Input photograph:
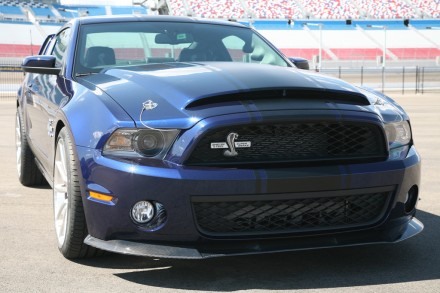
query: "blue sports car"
188, 138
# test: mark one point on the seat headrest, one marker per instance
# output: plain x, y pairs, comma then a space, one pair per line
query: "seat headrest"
100, 56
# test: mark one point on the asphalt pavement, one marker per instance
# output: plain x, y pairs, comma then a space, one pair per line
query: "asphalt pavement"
30, 261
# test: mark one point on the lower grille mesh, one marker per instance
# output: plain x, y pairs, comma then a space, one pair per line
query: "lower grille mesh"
294, 215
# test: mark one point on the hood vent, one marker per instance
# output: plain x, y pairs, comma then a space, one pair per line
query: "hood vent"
339, 97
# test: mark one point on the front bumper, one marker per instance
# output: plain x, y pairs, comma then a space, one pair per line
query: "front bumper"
111, 228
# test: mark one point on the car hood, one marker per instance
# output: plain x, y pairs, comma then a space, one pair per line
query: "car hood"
178, 95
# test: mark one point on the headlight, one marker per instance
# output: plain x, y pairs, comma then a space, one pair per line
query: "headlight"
398, 134
399, 137
151, 143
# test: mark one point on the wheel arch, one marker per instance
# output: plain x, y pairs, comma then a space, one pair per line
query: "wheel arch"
60, 125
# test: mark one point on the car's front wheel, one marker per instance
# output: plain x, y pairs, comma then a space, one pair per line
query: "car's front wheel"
70, 222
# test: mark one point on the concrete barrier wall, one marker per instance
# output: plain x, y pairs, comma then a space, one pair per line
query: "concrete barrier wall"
21, 39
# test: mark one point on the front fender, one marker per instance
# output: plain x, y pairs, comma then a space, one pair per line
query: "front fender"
92, 116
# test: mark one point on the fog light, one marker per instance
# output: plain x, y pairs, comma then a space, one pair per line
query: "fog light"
142, 212
411, 199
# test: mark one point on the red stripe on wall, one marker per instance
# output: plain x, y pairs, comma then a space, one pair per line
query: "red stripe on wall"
7, 50
365, 54
416, 53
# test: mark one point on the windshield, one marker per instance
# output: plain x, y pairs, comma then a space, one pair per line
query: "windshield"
110, 45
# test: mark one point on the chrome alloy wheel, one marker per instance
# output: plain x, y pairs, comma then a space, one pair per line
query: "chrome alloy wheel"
60, 192
18, 143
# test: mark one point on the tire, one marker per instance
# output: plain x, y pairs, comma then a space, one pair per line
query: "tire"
28, 172
69, 218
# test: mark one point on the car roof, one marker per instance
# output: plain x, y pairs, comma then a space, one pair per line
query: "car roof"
155, 18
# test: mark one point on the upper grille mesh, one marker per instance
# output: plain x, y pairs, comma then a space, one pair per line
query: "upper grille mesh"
290, 142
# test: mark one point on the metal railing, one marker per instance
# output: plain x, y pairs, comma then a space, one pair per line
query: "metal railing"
11, 77
411, 79
407, 80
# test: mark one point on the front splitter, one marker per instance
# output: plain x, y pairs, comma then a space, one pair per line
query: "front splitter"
413, 228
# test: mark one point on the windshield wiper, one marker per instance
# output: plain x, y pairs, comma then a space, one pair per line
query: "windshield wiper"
85, 74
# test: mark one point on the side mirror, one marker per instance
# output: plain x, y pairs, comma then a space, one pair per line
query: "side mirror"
300, 63
44, 64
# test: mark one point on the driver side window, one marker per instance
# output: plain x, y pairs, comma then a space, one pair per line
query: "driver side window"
61, 43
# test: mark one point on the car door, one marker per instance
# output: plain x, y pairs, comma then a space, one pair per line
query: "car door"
46, 92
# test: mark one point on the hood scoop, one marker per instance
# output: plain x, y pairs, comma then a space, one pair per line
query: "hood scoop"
323, 95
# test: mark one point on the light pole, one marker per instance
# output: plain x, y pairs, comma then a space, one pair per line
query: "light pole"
320, 25
384, 49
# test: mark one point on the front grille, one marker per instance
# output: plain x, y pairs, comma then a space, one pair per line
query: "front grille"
233, 218
292, 142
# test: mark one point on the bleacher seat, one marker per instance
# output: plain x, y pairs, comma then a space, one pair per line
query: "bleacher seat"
75, 11
217, 9
94, 11
298, 9
177, 7
386, 9
120, 10
66, 12
42, 12
430, 8
10, 10
330, 9
276, 9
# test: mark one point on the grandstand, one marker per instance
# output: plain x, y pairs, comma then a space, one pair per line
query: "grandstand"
10, 10
387, 9
14, 10
278, 9
428, 8
310, 9
330, 9
121, 10
339, 42
216, 8
54, 11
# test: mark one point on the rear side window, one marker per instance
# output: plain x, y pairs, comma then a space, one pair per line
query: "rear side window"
46, 48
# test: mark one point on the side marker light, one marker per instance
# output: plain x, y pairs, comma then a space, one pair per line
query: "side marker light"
100, 196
